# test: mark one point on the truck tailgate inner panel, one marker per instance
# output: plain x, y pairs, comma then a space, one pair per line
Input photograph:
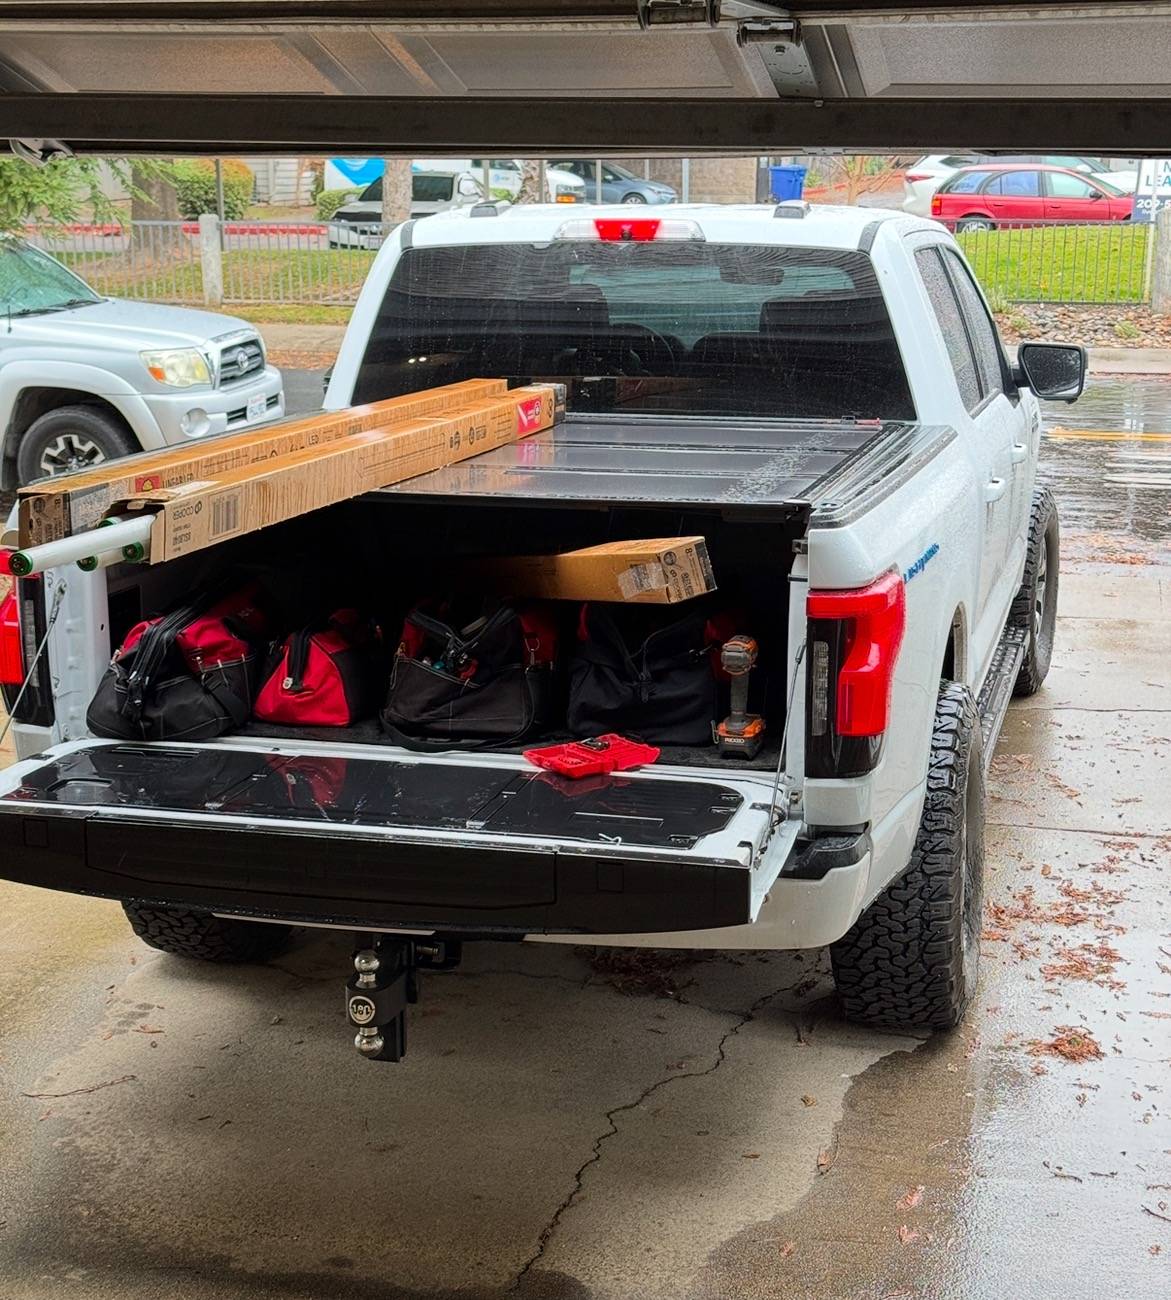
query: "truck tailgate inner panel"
343, 791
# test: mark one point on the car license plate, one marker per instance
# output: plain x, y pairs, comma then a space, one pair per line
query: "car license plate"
257, 407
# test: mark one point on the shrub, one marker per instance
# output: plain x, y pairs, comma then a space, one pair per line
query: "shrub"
195, 187
328, 201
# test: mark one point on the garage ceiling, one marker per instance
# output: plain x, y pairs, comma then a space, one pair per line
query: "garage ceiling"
638, 76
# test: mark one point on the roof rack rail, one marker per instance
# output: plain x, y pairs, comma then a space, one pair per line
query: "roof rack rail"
793, 209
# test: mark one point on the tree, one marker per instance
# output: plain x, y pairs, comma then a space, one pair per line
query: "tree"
66, 189
396, 190
861, 174
153, 198
530, 182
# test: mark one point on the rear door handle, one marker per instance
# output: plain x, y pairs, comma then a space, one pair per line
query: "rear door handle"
1020, 452
994, 489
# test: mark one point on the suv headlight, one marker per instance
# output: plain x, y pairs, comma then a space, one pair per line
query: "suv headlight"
177, 367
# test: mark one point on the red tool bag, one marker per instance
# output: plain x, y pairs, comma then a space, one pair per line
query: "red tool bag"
329, 676
187, 675
466, 678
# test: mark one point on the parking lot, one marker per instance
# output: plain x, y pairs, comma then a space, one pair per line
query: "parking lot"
572, 1123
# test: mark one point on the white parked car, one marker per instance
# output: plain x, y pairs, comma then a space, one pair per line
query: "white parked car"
85, 379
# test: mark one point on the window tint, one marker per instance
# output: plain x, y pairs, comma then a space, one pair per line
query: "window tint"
951, 323
431, 189
1064, 186
693, 328
373, 192
967, 183
1018, 185
981, 330
955, 160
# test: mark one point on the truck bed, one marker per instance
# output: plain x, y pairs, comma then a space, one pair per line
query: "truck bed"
755, 467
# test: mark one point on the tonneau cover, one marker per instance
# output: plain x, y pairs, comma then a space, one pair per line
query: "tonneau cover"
777, 467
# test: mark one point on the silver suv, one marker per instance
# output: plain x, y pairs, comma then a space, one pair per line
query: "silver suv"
85, 378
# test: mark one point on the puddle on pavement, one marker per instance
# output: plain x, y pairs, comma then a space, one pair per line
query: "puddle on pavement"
1114, 493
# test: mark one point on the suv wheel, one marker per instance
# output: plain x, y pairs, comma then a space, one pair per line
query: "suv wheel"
911, 960
205, 937
71, 438
1035, 605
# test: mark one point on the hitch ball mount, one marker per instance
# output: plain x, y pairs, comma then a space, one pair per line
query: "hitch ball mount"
385, 980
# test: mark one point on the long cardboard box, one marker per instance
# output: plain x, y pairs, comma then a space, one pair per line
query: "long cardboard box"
59, 507
655, 571
194, 515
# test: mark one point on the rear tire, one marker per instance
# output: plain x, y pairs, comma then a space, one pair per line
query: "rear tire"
975, 223
205, 937
911, 960
1035, 606
72, 438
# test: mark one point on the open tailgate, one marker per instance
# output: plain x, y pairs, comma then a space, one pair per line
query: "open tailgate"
384, 839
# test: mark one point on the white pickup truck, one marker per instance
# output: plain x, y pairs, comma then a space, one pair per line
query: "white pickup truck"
819, 392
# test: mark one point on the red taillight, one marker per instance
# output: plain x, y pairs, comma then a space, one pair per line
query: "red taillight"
936, 204
918, 176
11, 658
640, 230
874, 618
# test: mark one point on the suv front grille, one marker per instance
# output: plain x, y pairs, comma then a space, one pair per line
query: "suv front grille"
240, 360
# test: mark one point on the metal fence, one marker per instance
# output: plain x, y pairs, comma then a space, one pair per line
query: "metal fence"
255, 262
1106, 262
324, 264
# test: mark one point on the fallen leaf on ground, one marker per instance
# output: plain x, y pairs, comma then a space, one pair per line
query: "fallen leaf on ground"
807, 1100
787, 1249
911, 1199
825, 1161
1071, 1043
750, 1155
907, 1235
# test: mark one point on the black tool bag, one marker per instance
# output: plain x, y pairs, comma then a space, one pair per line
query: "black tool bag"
644, 672
479, 684
188, 675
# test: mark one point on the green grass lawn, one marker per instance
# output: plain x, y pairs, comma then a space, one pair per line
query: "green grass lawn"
303, 285
1060, 263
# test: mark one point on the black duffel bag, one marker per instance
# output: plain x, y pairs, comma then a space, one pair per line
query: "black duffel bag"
645, 672
187, 675
476, 684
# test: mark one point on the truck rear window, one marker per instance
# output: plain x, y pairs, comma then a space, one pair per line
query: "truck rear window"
672, 327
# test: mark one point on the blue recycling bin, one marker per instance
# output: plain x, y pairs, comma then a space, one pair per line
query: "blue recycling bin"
785, 183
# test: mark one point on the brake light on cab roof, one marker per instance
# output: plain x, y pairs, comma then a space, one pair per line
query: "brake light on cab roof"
641, 230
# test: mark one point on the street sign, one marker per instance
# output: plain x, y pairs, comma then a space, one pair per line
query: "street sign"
1153, 192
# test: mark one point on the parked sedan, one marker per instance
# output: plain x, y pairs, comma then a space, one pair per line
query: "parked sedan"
618, 184
987, 195
924, 177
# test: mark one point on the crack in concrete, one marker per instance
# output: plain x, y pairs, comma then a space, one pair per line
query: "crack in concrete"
595, 1156
1080, 830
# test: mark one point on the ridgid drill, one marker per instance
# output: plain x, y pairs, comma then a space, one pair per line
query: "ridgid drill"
741, 733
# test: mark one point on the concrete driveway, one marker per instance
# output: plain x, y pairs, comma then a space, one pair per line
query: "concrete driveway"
572, 1124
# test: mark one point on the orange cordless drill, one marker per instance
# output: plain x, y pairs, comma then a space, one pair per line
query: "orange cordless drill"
741, 734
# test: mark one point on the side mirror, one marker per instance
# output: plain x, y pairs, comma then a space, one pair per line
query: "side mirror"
468, 186
1097, 194
1054, 371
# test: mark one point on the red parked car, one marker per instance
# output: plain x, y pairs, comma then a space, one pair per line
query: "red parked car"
989, 195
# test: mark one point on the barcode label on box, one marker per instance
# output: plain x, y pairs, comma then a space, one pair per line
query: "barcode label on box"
225, 514
640, 578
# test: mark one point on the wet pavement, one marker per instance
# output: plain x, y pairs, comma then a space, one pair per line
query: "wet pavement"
568, 1128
